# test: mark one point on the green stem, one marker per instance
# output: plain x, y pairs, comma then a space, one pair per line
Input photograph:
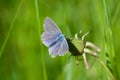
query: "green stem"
116, 13
109, 45
11, 27
105, 67
42, 55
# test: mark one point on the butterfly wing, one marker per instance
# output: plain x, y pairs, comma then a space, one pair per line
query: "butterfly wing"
51, 27
60, 48
52, 38
51, 32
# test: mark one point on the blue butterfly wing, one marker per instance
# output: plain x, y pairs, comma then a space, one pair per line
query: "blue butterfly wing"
51, 32
51, 38
48, 38
60, 48
51, 27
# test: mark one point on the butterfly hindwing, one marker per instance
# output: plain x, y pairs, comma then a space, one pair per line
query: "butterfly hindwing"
60, 48
63, 48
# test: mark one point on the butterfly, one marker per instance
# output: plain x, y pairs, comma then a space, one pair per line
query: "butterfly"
54, 39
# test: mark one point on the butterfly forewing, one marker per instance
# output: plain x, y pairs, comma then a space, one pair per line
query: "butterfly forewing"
48, 38
51, 27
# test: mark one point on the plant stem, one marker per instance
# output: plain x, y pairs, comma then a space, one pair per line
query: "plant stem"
42, 55
109, 45
105, 67
11, 27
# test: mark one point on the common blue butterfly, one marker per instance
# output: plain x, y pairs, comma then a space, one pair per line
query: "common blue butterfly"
54, 39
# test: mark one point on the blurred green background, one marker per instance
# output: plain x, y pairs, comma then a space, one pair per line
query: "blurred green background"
24, 57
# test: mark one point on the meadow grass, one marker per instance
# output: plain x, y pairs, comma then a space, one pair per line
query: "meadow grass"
9, 32
109, 48
23, 56
42, 50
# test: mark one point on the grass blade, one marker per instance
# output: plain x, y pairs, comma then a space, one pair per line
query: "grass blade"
109, 48
106, 68
42, 55
11, 27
